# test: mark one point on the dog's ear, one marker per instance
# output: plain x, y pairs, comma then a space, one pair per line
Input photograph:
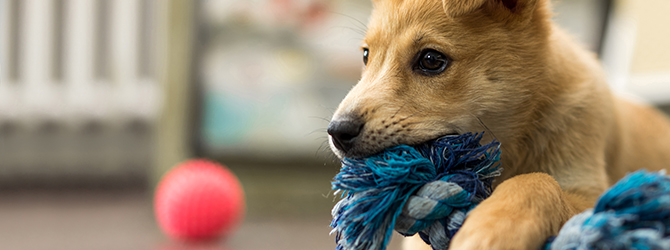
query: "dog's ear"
504, 10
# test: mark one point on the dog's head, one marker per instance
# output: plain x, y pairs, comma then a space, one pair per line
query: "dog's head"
443, 67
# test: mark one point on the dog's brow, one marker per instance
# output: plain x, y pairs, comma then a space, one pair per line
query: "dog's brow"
419, 37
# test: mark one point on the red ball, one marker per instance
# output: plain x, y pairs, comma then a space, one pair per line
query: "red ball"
199, 200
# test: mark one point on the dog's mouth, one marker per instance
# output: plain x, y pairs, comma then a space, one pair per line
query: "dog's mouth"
364, 151
454, 134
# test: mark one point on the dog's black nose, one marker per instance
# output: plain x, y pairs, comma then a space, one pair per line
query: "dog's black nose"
344, 132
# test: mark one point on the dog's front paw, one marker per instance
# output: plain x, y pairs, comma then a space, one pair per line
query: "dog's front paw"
495, 232
520, 214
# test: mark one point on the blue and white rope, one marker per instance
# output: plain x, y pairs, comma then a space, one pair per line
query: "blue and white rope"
632, 214
426, 189
436, 212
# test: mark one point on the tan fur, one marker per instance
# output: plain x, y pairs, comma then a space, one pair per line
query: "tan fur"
519, 77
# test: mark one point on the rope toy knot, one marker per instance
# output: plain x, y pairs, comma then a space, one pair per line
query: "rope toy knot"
437, 211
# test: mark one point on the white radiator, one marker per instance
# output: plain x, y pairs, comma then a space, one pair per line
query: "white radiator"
78, 88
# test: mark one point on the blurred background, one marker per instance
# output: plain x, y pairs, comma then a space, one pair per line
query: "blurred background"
99, 98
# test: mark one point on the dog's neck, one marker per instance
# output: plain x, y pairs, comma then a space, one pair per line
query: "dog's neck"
569, 96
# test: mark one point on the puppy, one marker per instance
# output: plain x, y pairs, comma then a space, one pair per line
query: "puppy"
439, 67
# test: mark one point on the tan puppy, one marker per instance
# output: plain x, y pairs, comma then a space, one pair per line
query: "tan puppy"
438, 67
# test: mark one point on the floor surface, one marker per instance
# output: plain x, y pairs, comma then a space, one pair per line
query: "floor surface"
287, 208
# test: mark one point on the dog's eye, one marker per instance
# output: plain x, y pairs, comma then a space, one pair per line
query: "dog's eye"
366, 52
432, 62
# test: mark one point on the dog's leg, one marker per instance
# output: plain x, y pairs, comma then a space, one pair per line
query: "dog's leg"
520, 214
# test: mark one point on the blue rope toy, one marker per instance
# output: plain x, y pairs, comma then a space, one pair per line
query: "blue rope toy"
632, 214
429, 189
449, 176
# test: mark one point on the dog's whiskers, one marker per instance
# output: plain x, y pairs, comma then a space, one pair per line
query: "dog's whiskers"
357, 30
318, 130
362, 28
411, 123
486, 128
323, 148
410, 116
320, 118
398, 111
